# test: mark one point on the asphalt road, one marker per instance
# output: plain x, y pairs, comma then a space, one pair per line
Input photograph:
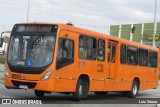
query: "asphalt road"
67, 99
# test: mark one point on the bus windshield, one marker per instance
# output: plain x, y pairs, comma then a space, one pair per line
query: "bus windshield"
31, 50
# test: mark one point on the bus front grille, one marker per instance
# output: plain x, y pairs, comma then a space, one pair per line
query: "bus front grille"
29, 84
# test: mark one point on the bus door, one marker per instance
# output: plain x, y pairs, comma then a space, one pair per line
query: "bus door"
153, 64
65, 63
112, 59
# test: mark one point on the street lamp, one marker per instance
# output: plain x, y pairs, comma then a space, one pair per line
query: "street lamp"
155, 23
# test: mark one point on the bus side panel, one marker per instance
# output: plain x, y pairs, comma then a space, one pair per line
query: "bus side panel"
96, 78
158, 73
96, 85
149, 78
146, 76
124, 77
61, 85
66, 77
148, 85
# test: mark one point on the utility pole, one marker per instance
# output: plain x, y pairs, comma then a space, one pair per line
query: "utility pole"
131, 33
28, 10
119, 32
142, 31
155, 23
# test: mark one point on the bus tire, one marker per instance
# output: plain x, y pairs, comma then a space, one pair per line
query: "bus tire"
82, 89
39, 93
134, 91
100, 93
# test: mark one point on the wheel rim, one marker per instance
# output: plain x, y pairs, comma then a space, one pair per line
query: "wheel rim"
135, 89
80, 89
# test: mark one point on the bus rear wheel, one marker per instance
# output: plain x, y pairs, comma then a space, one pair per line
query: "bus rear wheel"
134, 91
82, 89
39, 93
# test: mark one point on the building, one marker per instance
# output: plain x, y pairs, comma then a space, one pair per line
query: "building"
143, 32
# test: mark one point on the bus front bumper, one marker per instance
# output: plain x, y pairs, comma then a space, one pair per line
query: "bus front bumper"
47, 85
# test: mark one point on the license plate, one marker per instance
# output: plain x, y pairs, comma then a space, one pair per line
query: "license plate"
23, 86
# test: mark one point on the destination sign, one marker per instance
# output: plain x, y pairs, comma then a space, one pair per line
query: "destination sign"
35, 28
38, 29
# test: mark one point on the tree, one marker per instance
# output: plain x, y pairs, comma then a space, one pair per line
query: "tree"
6, 39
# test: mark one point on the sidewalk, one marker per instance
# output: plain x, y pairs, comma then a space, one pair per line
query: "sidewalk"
1, 67
1, 76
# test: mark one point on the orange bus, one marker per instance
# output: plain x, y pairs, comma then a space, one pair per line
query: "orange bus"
47, 57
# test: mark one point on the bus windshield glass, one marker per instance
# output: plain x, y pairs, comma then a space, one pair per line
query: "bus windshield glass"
31, 49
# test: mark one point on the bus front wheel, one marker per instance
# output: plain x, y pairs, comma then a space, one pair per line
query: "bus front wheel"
39, 93
82, 89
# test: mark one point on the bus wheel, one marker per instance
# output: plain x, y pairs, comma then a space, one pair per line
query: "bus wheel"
82, 89
100, 93
39, 93
134, 91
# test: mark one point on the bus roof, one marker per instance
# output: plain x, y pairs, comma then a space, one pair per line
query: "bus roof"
98, 35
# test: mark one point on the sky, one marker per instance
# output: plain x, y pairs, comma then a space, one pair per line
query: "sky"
95, 15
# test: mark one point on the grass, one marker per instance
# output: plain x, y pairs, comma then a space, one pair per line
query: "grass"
2, 79
2, 59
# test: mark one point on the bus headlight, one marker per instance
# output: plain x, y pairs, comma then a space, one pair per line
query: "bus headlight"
46, 76
6, 72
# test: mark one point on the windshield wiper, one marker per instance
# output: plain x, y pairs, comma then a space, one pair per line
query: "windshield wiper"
37, 40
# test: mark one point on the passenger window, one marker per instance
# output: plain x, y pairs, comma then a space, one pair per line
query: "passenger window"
87, 48
132, 55
83, 47
152, 59
91, 43
143, 57
101, 50
65, 55
123, 54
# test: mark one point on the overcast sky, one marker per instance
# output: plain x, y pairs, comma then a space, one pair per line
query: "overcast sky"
91, 14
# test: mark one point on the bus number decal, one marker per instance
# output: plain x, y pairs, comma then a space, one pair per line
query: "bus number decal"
101, 66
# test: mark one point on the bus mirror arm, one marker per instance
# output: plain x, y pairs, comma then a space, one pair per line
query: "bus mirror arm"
1, 39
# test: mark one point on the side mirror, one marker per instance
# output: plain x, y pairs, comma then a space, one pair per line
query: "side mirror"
2, 39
